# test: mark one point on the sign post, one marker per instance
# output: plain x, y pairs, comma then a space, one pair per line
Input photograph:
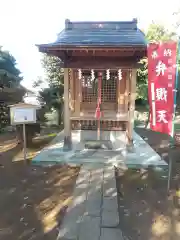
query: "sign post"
162, 71
24, 141
22, 114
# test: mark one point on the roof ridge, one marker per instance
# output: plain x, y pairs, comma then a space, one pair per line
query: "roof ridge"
99, 33
69, 25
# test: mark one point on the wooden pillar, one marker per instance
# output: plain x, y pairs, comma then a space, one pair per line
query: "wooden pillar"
71, 91
121, 93
127, 90
132, 105
67, 121
78, 92
119, 97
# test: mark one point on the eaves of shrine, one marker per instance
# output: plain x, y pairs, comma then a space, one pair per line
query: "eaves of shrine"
98, 44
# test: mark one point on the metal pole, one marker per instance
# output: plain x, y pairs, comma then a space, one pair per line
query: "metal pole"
171, 147
169, 174
24, 141
172, 134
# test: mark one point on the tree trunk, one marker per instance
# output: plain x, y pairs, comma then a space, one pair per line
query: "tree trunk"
60, 114
59, 117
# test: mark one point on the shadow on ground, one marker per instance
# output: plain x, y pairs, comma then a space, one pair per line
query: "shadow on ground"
33, 200
145, 210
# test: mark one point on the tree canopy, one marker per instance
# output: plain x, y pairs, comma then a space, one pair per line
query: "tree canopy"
155, 33
9, 73
52, 96
11, 91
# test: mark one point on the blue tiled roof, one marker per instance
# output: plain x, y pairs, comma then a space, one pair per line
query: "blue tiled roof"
100, 34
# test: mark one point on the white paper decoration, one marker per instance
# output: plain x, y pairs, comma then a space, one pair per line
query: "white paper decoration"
107, 74
119, 74
92, 75
79, 73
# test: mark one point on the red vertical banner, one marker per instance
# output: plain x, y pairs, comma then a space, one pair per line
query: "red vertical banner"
161, 85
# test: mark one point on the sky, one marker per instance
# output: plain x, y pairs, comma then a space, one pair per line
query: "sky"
24, 23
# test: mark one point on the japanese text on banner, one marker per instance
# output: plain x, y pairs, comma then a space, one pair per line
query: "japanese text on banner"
161, 85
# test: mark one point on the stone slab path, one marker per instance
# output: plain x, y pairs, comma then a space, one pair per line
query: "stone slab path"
93, 214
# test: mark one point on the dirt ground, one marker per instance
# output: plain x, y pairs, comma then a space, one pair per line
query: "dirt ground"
146, 211
33, 199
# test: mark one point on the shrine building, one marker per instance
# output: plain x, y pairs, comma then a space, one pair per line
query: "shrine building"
100, 61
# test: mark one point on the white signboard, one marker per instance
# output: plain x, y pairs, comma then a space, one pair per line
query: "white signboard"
23, 115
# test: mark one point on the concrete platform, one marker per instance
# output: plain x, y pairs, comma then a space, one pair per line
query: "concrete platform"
140, 156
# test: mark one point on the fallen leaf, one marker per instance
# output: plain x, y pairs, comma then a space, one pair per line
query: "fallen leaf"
24, 206
139, 214
12, 190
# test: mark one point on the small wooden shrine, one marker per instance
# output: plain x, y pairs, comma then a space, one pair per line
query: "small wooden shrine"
100, 61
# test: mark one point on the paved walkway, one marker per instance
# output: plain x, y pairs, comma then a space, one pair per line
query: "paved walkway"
93, 214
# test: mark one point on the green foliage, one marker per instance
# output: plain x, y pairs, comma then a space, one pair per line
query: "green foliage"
38, 82
54, 73
9, 79
155, 32
142, 88
9, 74
41, 114
4, 115
52, 96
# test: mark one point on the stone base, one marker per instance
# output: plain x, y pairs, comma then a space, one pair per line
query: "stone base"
67, 143
141, 155
98, 144
130, 146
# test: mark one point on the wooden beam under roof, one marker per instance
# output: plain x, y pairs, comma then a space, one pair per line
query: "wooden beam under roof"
101, 63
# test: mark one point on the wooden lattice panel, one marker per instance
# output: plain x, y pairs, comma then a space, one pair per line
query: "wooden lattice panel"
90, 87
92, 125
109, 87
89, 92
